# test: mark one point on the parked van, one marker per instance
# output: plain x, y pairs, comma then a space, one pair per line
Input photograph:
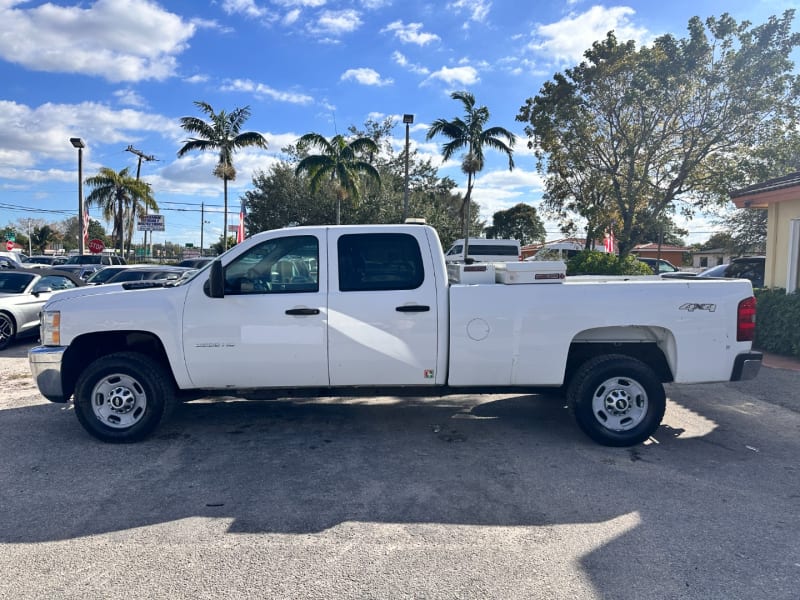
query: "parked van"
484, 250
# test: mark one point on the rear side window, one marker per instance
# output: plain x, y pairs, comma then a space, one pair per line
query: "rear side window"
379, 261
490, 249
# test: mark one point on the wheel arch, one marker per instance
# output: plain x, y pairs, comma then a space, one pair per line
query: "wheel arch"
89, 347
654, 346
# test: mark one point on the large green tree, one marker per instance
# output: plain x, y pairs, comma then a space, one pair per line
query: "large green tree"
120, 196
520, 222
471, 135
222, 133
664, 127
339, 161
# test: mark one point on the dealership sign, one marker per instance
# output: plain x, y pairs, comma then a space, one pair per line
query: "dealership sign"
151, 223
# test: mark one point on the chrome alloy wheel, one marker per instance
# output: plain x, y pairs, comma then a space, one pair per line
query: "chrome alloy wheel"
118, 401
619, 403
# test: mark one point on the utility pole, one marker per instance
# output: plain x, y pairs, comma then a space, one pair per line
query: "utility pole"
148, 157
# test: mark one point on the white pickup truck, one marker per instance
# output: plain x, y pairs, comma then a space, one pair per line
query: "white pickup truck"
369, 309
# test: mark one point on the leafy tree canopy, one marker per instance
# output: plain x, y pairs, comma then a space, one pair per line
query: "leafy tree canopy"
664, 127
520, 222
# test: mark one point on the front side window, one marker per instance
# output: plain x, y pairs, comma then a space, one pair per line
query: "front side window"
379, 261
282, 265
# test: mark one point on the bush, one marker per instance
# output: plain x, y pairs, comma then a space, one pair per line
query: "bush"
591, 262
778, 321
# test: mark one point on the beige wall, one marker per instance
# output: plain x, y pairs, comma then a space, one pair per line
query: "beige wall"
779, 220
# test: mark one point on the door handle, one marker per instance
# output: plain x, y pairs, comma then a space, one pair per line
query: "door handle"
302, 311
413, 308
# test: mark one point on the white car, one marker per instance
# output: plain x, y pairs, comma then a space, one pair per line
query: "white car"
23, 293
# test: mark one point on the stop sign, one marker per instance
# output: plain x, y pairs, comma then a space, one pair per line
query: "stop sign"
9, 246
96, 246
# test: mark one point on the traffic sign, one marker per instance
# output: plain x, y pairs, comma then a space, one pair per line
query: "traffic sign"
96, 246
9, 245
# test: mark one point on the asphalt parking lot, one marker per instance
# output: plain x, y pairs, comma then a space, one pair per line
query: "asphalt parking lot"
466, 497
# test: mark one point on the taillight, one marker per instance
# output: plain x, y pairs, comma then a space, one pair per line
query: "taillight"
746, 320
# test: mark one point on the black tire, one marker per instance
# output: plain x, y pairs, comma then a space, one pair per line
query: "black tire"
123, 397
8, 330
617, 400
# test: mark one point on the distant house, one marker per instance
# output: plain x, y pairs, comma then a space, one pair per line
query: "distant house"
703, 259
781, 198
673, 254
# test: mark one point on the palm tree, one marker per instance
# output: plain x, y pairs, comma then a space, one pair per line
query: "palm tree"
221, 133
468, 133
339, 161
121, 197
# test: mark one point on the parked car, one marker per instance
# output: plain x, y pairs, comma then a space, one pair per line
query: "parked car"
95, 259
6, 262
149, 273
23, 293
47, 259
82, 271
745, 267
11, 258
103, 275
195, 263
659, 266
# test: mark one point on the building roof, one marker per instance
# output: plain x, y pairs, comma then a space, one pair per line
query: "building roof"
761, 195
654, 246
790, 180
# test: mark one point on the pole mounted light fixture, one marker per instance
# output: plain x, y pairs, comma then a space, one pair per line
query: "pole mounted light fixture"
407, 119
80, 145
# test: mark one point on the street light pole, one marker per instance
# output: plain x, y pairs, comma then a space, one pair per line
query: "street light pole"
407, 119
78, 143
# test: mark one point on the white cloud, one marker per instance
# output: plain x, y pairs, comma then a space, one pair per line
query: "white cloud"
458, 75
291, 17
43, 133
410, 33
478, 9
337, 22
120, 40
568, 39
244, 7
365, 77
129, 97
196, 79
401, 60
302, 3
263, 90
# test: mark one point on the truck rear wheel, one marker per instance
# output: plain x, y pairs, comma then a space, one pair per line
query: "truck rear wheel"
617, 400
123, 397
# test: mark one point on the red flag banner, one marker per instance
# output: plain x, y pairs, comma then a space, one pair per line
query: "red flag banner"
609, 242
240, 230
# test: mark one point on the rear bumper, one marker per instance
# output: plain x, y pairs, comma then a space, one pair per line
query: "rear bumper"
45, 362
746, 366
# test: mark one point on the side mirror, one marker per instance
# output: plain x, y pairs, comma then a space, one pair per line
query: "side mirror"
41, 290
216, 281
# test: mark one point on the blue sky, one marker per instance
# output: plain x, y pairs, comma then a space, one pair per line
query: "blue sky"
122, 72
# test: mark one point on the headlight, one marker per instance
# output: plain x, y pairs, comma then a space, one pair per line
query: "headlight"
51, 328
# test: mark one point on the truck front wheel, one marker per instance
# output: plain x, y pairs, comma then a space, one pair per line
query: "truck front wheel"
123, 397
617, 400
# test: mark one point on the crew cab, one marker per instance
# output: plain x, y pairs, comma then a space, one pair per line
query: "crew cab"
372, 309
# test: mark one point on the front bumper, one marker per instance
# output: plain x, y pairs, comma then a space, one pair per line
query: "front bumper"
45, 362
746, 366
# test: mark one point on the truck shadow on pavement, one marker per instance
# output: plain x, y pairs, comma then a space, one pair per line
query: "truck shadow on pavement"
304, 467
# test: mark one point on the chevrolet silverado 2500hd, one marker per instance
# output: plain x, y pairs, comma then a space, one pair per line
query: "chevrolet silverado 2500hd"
370, 309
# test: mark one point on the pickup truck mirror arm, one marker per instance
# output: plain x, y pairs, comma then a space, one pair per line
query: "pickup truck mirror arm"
216, 280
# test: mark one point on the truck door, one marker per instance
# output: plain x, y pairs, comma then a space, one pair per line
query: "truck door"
270, 328
382, 312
